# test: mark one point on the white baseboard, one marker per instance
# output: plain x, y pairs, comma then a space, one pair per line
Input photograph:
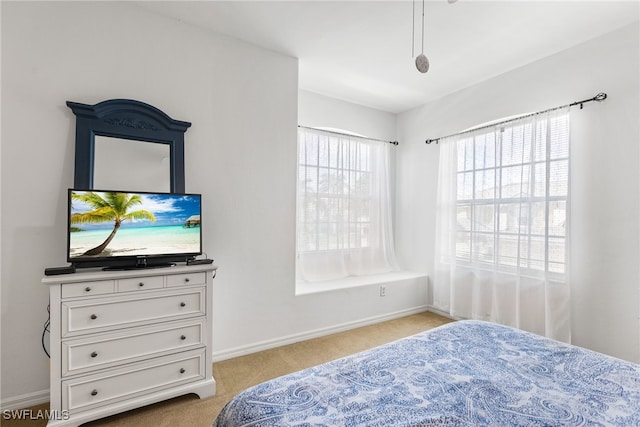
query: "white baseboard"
25, 400
443, 313
290, 339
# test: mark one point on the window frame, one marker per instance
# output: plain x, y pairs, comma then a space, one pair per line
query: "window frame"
497, 202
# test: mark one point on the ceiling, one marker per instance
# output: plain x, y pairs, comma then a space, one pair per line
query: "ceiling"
361, 51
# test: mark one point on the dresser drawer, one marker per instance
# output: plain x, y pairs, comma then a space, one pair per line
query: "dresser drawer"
186, 279
140, 283
91, 391
107, 350
101, 287
101, 314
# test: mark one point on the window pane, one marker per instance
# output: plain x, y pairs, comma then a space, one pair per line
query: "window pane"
307, 237
322, 236
463, 246
334, 151
361, 184
483, 247
365, 212
537, 248
344, 155
465, 154
364, 235
485, 151
465, 186
323, 151
524, 256
310, 149
333, 209
540, 142
558, 177
311, 179
354, 182
355, 210
515, 218
515, 181
538, 218
484, 218
540, 179
309, 209
485, 184
556, 268
463, 218
323, 181
557, 250
516, 145
508, 250
332, 181
558, 218
323, 207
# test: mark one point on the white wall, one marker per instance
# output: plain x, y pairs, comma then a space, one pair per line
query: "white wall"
604, 175
240, 154
316, 110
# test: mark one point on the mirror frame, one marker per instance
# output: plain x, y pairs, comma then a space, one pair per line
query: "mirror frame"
126, 119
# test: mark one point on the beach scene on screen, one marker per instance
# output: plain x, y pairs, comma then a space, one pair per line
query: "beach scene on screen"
144, 224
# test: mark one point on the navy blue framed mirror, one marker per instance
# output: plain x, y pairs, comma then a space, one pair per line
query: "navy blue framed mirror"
117, 124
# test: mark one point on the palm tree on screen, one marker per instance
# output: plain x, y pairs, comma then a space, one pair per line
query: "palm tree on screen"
112, 207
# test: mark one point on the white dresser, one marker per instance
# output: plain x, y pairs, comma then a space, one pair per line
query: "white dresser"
124, 339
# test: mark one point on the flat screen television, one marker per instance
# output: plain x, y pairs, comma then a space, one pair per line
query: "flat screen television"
128, 230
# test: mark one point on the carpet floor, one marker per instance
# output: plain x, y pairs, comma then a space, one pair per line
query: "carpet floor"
237, 374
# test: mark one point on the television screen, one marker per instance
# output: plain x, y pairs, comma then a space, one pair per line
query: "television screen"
132, 229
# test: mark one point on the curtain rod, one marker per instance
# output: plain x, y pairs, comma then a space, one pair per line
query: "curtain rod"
599, 97
346, 134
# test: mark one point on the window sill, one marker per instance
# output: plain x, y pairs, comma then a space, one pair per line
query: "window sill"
306, 288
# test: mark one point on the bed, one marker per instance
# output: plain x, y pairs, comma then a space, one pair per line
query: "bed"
465, 373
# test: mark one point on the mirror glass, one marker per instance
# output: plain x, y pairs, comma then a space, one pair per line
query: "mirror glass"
125, 164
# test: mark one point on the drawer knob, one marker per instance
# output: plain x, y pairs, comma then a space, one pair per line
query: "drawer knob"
183, 337
183, 304
141, 284
186, 280
182, 371
94, 354
94, 392
94, 317
87, 289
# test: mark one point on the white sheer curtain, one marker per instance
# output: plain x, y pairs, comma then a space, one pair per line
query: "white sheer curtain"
343, 206
502, 244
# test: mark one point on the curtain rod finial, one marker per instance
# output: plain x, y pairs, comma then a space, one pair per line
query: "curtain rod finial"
429, 141
600, 97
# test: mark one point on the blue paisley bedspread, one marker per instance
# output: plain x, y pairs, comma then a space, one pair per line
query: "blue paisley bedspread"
466, 373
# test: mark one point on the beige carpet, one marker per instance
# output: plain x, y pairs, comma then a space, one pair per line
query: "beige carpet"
234, 375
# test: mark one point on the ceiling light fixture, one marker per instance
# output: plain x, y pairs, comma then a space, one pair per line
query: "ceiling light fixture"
422, 63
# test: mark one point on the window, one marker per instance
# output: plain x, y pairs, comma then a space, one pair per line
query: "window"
501, 224
511, 201
343, 212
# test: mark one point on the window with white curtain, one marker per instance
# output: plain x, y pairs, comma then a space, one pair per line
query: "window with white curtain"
512, 188
502, 224
343, 206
